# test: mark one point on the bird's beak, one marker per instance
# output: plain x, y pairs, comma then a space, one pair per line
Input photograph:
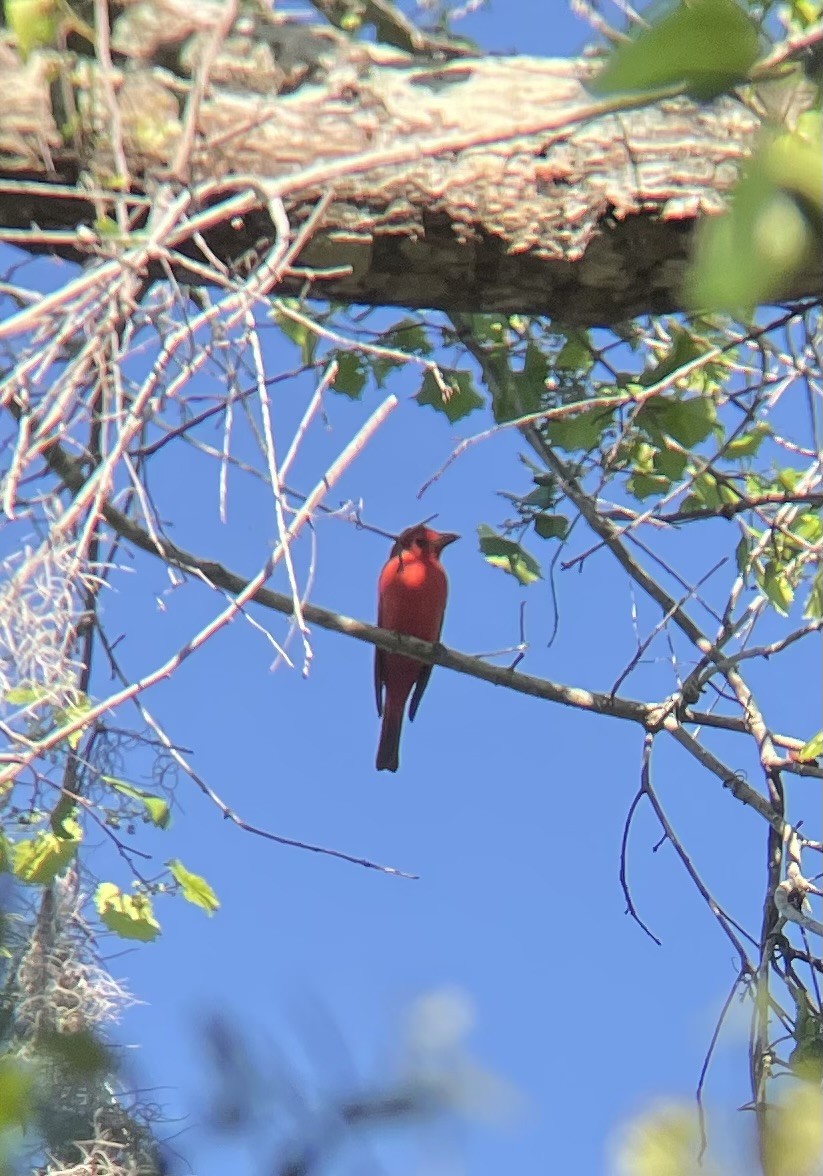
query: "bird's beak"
445, 538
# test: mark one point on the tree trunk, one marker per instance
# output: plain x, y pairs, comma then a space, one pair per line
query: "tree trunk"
475, 184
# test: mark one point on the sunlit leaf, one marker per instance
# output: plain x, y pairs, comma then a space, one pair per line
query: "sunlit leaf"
16, 1093
813, 610
776, 588
69, 714
460, 398
662, 1142
300, 333
750, 253
794, 1139
808, 527
157, 809
748, 443
33, 22
508, 556
194, 889
25, 695
707, 45
646, 485
812, 749
39, 860
129, 915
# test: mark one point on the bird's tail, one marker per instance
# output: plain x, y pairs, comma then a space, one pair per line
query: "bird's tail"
388, 750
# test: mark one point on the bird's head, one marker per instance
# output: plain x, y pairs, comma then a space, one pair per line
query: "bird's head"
421, 541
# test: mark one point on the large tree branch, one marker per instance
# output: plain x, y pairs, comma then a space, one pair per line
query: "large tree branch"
488, 184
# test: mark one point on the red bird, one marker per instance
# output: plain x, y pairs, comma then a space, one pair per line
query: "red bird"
411, 594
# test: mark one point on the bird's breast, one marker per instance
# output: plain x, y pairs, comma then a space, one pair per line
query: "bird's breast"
413, 597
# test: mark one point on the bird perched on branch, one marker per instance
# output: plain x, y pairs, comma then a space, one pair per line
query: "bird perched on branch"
411, 594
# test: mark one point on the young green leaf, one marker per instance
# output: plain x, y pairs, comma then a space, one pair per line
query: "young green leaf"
582, 431
129, 916
460, 398
508, 556
748, 443
16, 1093
33, 22
813, 610
69, 714
351, 374
551, 526
38, 861
157, 809
813, 749
194, 889
25, 695
776, 587
708, 46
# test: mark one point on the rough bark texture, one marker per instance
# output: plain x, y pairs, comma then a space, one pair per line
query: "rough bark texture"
476, 184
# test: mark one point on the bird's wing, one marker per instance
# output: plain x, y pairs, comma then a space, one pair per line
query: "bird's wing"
379, 668
419, 687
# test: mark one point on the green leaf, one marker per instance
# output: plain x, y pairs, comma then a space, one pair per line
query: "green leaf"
645, 485
551, 526
300, 334
813, 610
407, 335
351, 374
195, 889
26, 695
542, 497
33, 22
812, 749
508, 556
576, 353
39, 860
670, 463
16, 1093
583, 430
793, 160
808, 527
748, 443
129, 916
741, 554
709, 494
776, 588
685, 348
459, 402
69, 714
749, 254
62, 819
805, 13
688, 421
788, 479
707, 45
157, 809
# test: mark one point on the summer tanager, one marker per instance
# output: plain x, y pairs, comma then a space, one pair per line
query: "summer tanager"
411, 594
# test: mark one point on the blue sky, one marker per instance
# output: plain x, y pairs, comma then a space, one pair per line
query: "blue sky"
510, 811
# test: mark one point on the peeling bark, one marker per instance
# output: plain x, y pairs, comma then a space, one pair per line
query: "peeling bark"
475, 184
